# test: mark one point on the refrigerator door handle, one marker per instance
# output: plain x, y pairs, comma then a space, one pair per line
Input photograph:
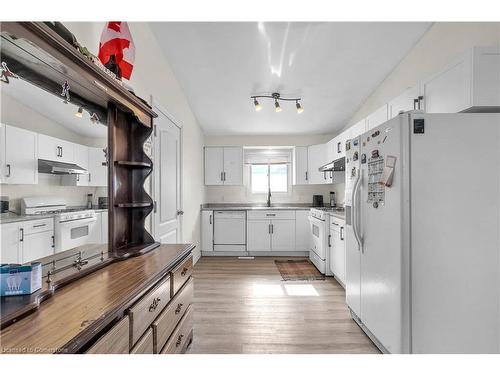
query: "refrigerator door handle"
354, 216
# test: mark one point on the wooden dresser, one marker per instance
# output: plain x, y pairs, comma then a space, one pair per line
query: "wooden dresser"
139, 305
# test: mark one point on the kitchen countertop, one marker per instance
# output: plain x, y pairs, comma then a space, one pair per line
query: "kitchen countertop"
254, 206
12, 217
338, 214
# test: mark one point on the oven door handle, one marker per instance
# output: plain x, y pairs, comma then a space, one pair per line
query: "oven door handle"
78, 221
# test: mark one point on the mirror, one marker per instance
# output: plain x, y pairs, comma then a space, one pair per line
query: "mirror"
54, 172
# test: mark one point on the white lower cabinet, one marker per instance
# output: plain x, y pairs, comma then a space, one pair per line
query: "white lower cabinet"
99, 231
207, 231
26, 241
271, 231
259, 235
337, 257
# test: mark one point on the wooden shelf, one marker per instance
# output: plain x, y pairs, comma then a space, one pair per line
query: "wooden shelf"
133, 204
133, 164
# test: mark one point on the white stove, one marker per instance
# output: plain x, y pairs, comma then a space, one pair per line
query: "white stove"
72, 227
319, 220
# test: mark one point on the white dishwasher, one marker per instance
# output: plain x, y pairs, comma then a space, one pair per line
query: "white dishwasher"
230, 231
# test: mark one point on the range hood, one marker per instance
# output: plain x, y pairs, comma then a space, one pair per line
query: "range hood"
57, 167
334, 166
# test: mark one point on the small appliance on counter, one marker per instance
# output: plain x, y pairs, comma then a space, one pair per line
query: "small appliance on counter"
333, 202
317, 201
4, 204
89, 201
102, 202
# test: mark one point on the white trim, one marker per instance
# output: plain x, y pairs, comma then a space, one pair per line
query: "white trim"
158, 107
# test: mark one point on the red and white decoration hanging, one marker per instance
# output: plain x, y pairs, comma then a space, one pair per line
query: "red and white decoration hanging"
117, 49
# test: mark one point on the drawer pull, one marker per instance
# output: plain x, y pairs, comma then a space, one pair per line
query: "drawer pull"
184, 270
154, 304
179, 341
39, 225
179, 308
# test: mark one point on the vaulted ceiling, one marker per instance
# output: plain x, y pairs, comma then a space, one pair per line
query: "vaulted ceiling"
332, 66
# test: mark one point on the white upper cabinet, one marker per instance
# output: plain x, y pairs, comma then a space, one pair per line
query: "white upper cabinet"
358, 128
50, 148
376, 118
214, 165
300, 165
409, 100
223, 166
21, 164
317, 157
233, 166
97, 168
470, 81
81, 158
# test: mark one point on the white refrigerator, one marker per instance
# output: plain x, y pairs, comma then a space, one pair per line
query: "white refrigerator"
422, 233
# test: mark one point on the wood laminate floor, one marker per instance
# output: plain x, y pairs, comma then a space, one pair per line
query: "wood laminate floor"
243, 306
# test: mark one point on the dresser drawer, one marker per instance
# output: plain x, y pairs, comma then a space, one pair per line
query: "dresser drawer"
144, 312
270, 214
116, 341
37, 226
180, 275
181, 336
168, 319
145, 344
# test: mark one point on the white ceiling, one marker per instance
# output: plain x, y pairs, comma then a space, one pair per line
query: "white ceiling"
53, 107
333, 66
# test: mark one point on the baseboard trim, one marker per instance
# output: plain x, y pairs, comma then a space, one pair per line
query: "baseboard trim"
255, 253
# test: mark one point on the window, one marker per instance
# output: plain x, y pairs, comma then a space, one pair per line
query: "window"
264, 175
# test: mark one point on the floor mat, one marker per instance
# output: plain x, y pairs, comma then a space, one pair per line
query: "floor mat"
298, 270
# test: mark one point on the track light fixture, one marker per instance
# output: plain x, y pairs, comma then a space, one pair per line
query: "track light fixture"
277, 98
257, 105
79, 113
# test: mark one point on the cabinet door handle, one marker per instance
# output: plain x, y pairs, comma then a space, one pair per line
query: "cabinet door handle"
39, 225
272, 228
415, 102
210, 219
307, 176
22, 235
222, 176
179, 340
420, 98
53, 241
61, 151
89, 176
339, 146
154, 304
8, 170
269, 228
342, 233
324, 175
184, 271
179, 308
329, 242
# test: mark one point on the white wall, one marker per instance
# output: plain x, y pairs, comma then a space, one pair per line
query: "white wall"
440, 45
153, 75
240, 194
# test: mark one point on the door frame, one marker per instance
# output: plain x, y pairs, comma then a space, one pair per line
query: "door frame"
157, 107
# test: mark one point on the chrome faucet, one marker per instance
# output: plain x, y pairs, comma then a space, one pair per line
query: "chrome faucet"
269, 197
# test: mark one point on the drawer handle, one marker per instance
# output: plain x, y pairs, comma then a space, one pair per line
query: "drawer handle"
39, 225
179, 341
184, 271
154, 304
179, 308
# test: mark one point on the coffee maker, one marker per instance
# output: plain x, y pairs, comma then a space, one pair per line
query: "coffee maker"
317, 201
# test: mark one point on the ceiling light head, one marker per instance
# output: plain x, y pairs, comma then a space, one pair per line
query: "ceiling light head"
257, 105
79, 113
300, 109
277, 106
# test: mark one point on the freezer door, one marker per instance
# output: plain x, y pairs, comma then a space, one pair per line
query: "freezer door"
384, 276
455, 169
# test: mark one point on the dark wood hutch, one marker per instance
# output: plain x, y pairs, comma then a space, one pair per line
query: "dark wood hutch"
140, 292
